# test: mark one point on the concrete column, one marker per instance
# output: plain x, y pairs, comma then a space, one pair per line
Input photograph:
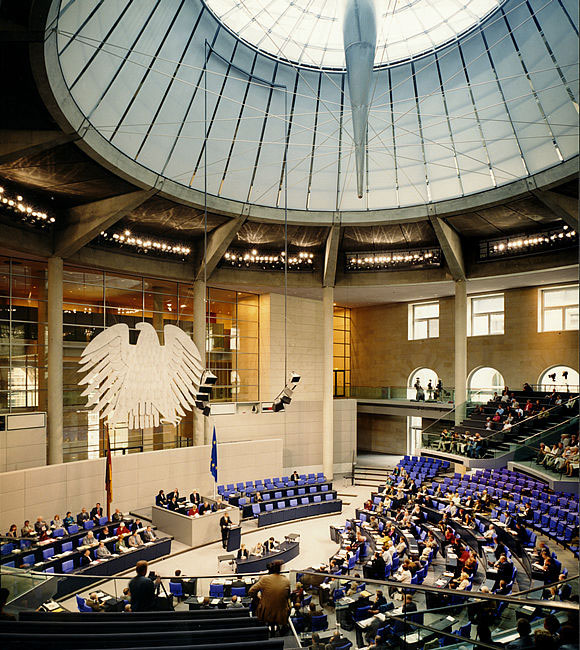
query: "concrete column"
55, 359
460, 349
199, 336
327, 383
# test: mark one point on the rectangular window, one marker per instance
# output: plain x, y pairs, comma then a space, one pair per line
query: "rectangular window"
423, 320
341, 353
558, 309
485, 315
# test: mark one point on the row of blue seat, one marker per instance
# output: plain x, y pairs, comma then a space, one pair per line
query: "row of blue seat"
249, 487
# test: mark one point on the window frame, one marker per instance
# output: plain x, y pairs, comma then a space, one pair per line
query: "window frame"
412, 320
542, 291
470, 314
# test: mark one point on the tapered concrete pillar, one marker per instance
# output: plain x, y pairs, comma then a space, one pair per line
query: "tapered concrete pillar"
55, 354
327, 384
199, 335
460, 349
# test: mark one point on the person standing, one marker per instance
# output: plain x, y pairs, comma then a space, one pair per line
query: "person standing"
142, 589
274, 604
225, 525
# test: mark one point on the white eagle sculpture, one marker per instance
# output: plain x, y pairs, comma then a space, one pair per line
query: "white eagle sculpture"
141, 384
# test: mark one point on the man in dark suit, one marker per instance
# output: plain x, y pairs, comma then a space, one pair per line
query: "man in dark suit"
377, 567
85, 558
270, 544
82, 517
175, 494
225, 525
195, 497
161, 499
504, 572
295, 476
96, 513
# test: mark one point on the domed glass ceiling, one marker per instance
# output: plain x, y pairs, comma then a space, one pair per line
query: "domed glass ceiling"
163, 91
309, 32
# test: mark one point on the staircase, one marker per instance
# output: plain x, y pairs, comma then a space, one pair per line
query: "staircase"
374, 477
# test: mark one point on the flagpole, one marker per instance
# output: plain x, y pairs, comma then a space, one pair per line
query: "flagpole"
108, 471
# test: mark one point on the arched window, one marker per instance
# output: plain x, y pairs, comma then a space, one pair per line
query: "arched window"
562, 378
483, 383
426, 377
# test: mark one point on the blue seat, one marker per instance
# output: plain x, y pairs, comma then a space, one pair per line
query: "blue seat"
216, 591
319, 623
293, 503
304, 501
68, 566
298, 624
47, 553
103, 521
330, 497
360, 613
176, 589
242, 501
28, 559
290, 493
301, 491
10, 564
325, 488
269, 507
82, 605
58, 532
239, 591
89, 523
49, 570
317, 499
280, 505
6, 549
277, 495
266, 497
312, 490
255, 509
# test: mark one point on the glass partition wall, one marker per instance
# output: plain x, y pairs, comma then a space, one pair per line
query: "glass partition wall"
93, 300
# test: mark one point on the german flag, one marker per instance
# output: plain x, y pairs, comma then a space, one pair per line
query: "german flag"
108, 474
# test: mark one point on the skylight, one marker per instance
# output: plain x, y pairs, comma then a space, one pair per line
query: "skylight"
309, 32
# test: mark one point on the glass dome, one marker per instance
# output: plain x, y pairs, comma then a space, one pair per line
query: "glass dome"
309, 32
164, 93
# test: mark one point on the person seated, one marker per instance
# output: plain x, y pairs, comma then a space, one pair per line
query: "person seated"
148, 535
85, 559
161, 499
504, 571
69, 519
96, 513
56, 522
376, 602
95, 603
13, 532
270, 545
203, 508
102, 552
461, 583
258, 550
105, 533
192, 512
117, 516
82, 517
27, 530
122, 529
295, 476
312, 611
174, 494
188, 587
89, 539
377, 567
235, 603
525, 640
40, 526
134, 540
172, 504
243, 553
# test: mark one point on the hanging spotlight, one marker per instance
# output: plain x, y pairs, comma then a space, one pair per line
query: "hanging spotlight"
565, 374
208, 379
552, 376
287, 393
294, 378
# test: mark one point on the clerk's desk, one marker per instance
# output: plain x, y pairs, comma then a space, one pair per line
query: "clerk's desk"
193, 531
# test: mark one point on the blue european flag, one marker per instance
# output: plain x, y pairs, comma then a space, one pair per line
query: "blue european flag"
213, 464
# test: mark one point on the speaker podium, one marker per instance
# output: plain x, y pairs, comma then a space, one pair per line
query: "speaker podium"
234, 538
